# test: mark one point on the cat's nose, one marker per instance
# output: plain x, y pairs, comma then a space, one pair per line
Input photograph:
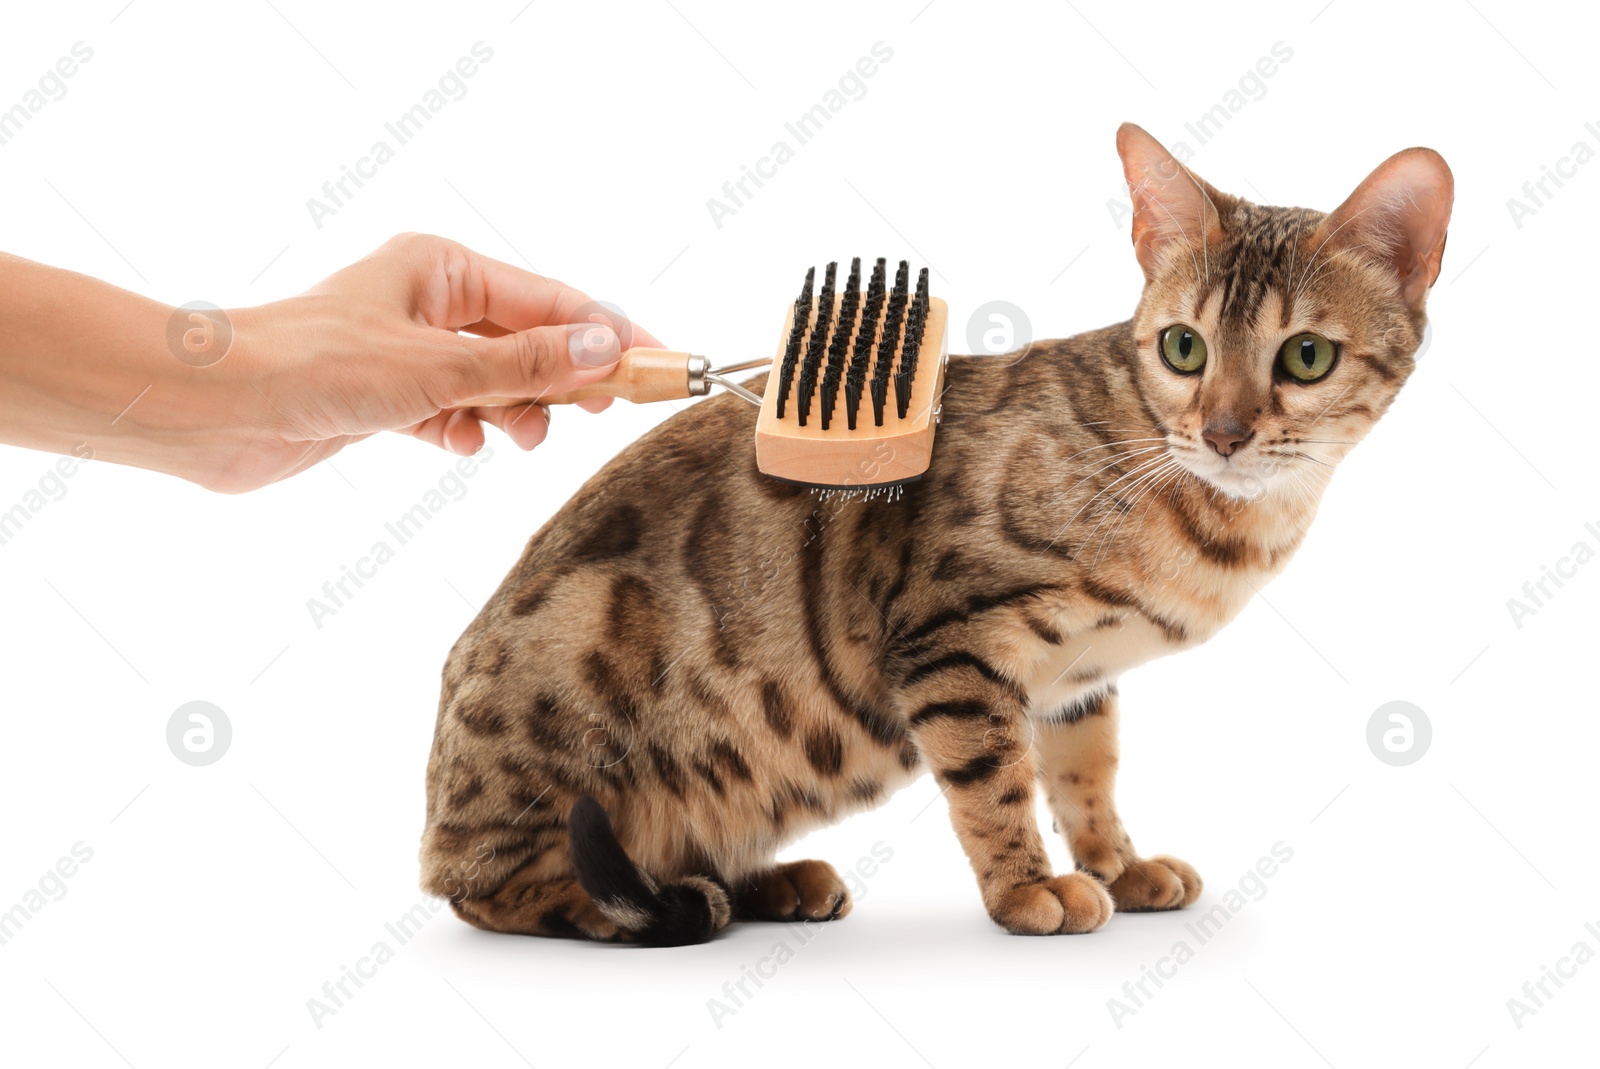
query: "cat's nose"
1226, 437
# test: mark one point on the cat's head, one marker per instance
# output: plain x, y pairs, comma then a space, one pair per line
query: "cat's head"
1270, 340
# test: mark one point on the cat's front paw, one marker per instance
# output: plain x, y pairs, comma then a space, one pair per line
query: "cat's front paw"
1156, 883
1061, 905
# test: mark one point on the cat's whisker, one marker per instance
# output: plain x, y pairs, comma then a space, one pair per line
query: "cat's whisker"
1173, 477
1108, 445
1150, 498
1121, 430
1296, 484
1141, 466
1109, 487
1143, 444
1060, 495
1317, 477
1308, 494
1109, 463
1138, 489
1115, 514
1297, 454
1101, 493
1180, 485
1150, 495
1113, 462
1109, 491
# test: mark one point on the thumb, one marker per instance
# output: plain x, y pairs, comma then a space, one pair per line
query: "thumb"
543, 360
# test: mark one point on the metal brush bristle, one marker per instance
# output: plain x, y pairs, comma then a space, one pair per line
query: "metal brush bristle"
888, 494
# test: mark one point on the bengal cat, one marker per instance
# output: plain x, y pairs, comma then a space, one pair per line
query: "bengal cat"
693, 665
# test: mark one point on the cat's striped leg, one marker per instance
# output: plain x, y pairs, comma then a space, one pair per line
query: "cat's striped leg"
1077, 750
970, 725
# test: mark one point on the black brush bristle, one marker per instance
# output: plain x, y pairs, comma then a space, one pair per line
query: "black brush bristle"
856, 377
797, 333
839, 348
888, 346
817, 344
916, 321
836, 340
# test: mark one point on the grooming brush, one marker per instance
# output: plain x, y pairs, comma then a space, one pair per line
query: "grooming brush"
852, 398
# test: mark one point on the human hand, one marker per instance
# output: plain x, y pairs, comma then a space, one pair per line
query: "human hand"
375, 347
398, 341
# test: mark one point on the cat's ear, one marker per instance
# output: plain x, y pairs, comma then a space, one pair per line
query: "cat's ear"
1400, 214
1170, 202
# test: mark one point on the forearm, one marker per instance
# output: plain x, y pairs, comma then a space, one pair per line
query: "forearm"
83, 362
87, 368
240, 399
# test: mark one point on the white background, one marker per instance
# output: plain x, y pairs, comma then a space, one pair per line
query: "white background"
220, 899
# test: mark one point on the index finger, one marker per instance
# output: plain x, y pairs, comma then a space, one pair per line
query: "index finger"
514, 299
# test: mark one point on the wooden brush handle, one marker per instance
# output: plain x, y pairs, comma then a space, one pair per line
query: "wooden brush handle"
641, 375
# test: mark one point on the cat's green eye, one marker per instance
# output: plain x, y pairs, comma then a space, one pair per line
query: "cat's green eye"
1308, 357
1183, 349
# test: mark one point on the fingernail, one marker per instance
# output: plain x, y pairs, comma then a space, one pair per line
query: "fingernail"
592, 345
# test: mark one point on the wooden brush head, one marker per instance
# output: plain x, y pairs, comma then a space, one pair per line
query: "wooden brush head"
852, 400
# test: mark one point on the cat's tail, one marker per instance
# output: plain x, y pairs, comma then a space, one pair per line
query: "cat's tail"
690, 910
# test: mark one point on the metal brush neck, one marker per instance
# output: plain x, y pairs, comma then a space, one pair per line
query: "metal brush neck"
702, 375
